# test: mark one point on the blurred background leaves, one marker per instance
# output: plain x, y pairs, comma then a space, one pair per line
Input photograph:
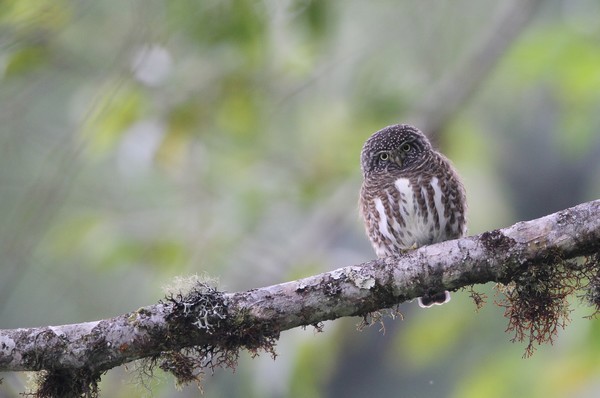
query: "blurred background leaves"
142, 140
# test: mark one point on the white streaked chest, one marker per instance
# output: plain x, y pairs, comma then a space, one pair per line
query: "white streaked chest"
422, 209
410, 215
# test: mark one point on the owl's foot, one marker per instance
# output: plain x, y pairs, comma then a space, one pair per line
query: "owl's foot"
413, 247
428, 301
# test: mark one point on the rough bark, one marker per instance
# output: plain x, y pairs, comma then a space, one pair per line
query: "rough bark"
217, 323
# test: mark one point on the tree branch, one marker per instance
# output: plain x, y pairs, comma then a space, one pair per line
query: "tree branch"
206, 328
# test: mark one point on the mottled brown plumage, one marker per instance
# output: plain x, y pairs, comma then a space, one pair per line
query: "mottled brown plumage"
411, 195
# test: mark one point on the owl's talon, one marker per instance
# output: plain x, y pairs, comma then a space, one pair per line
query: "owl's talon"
413, 247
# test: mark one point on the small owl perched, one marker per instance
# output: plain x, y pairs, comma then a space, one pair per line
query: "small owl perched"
410, 196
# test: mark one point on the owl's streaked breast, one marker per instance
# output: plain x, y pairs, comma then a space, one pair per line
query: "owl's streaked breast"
412, 213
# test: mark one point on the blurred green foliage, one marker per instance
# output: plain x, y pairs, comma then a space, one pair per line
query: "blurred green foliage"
142, 140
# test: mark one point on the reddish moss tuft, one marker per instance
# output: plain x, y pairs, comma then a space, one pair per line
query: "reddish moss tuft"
536, 304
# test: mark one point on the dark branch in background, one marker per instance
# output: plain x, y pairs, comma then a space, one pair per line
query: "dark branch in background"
535, 261
456, 87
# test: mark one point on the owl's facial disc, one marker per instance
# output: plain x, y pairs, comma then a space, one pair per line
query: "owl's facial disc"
401, 146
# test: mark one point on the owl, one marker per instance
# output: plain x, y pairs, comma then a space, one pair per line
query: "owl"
411, 196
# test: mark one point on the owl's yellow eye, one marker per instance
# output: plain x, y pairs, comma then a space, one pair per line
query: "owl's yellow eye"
384, 156
405, 147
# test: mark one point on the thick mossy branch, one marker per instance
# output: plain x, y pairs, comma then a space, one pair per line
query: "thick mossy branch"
539, 262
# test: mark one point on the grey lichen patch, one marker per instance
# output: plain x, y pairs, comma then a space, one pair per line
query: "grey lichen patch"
360, 280
301, 287
331, 287
206, 311
7, 345
203, 307
377, 295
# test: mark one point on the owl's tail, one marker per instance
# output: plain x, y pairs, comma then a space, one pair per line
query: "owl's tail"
434, 299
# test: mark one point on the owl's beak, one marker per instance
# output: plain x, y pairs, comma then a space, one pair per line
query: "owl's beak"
398, 158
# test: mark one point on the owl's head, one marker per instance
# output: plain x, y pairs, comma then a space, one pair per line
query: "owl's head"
395, 149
